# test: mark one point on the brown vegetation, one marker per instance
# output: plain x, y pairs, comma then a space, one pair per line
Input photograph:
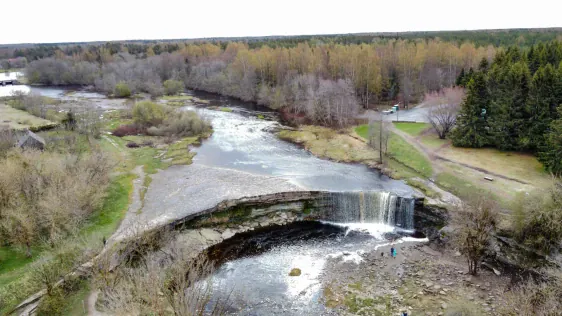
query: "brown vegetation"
477, 221
149, 283
158, 120
538, 219
444, 107
45, 195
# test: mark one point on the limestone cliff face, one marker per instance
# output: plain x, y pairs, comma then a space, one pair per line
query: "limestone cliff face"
429, 219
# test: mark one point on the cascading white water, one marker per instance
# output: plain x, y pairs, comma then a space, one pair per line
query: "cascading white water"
374, 207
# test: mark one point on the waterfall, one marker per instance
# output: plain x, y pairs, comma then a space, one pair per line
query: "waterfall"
370, 207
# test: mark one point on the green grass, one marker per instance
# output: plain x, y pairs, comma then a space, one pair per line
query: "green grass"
363, 131
422, 187
18, 119
225, 109
458, 186
76, 303
106, 220
11, 262
413, 129
433, 142
101, 223
405, 153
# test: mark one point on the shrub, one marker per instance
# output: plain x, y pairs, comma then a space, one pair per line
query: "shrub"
532, 298
7, 140
132, 145
128, 130
122, 90
148, 113
186, 123
477, 221
538, 219
47, 195
52, 304
172, 87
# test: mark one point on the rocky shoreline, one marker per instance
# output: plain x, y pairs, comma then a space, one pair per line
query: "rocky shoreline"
420, 280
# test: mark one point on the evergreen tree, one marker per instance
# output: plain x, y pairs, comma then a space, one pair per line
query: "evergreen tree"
551, 154
509, 115
472, 126
483, 66
541, 103
461, 79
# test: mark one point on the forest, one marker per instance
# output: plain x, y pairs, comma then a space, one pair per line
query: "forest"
515, 103
512, 91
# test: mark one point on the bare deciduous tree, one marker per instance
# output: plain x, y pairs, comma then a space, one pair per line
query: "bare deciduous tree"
477, 220
379, 134
443, 109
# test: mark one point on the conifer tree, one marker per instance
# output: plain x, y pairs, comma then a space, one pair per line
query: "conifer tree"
461, 79
551, 154
472, 126
541, 104
509, 115
483, 66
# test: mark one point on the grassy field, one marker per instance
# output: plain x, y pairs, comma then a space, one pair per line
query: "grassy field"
18, 119
408, 162
522, 167
327, 143
414, 129
405, 153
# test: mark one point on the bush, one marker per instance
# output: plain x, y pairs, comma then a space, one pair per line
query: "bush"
538, 219
52, 304
477, 221
534, 298
173, 87
122, 90
186, 123
128, 130
148, 113
47, 195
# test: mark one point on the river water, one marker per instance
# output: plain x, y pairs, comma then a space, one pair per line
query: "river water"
243, 142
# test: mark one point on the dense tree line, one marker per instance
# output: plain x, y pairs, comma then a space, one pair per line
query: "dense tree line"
514, 103
320, 81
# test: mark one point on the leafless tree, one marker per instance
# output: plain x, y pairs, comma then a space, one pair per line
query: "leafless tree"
443, 109
379, 134
477, 220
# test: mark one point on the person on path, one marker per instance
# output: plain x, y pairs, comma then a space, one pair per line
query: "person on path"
392, 252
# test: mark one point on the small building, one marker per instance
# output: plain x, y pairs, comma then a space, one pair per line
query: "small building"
31, 140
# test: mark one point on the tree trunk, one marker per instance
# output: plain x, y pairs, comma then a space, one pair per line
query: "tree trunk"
28, 250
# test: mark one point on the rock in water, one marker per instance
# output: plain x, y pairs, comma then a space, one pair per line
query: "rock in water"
295, 272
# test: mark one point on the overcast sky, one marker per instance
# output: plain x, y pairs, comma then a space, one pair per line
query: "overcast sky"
40, 21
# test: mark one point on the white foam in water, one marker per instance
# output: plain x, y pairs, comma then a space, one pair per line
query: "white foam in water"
374, 229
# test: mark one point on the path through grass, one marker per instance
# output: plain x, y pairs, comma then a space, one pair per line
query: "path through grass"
414, 129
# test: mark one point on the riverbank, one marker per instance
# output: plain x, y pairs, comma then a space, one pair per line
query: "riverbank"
416, 155
420, 280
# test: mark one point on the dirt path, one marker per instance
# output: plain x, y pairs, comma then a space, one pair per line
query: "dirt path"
434, 157
437, 168
92, 298
134, 207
